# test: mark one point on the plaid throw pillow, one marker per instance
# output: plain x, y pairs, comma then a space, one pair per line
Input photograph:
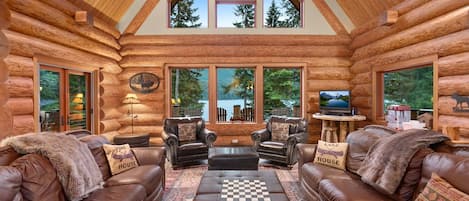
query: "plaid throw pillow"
439, 189
187, 131
280, 131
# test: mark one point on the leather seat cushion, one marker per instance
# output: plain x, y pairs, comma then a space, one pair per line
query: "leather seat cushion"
149, 176
10, 180
40, 181
192, 149
272, 147
313, 173
348, 189
131, 192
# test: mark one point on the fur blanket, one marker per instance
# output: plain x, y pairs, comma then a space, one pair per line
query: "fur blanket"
387, 160
76, 168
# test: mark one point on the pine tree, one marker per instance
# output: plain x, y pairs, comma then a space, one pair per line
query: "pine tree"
292, 14
246, 11
183, 15
273, 16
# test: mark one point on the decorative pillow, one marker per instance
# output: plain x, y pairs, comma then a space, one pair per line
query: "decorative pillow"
331, 154
280, 131
439, 189
120, 158
187, 131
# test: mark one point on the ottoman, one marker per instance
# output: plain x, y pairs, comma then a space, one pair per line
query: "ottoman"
232, 158
134, 140
240, 185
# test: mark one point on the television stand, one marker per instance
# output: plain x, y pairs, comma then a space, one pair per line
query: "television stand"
329, 127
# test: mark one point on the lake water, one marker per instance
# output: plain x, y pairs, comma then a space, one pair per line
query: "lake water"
227, 104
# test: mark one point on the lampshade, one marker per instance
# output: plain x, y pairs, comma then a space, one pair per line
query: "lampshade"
131, 96
79, 95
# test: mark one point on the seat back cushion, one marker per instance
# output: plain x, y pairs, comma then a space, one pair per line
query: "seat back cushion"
10, 180
95, 144
40, 181
171, 124
297, 125
8, 155
450, 167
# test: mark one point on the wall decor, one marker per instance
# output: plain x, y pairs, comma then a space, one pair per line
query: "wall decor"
460, 102
144, 82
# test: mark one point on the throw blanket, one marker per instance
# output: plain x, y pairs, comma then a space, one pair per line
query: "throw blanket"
76, 168
387, 160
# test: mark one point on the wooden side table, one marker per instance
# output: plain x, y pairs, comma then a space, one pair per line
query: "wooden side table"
329, 126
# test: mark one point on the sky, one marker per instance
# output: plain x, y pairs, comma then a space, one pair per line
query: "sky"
225, 12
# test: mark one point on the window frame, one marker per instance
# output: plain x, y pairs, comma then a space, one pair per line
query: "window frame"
258, 87
235, 2
377, 84
301, 17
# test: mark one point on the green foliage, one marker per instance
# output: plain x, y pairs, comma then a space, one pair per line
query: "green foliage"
186, 86
49, 84
292, 15
246, 12
281, 85
412, 87
273, 16
242, 84
184, 15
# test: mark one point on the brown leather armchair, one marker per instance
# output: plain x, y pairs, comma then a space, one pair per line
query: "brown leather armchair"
282, 152
179, 152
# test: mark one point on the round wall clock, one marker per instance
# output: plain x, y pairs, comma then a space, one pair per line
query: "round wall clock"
144, 82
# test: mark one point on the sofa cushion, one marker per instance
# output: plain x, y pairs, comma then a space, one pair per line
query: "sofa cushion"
348, 189
95, 144
359, 143
10, 180
120, 158
452, 168
313, 174
131, 192
149, 176
272, 147
439, 189
40, 181
331, 154
192, 148
187, 131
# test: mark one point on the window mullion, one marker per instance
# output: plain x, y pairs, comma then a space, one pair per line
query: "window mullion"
259, 94
212, 100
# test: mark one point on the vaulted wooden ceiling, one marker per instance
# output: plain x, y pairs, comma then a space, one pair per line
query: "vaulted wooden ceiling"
358, 11
362, 11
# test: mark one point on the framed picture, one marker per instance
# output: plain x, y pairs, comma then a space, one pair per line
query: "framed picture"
144, 82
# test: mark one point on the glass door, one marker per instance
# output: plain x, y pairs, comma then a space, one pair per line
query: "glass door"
64, 99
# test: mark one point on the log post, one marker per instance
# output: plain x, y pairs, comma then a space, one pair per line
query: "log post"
457, 64
6, 119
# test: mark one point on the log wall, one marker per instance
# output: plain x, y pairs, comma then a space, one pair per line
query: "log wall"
6, 118
47, 29
432, 28
326, 58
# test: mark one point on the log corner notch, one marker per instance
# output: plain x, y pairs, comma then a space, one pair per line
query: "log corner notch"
83, 18
389, 17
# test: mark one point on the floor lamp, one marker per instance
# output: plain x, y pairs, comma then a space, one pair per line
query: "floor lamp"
131, 99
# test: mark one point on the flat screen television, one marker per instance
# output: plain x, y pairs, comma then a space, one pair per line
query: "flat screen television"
335, 102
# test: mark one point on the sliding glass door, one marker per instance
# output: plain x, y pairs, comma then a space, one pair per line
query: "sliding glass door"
64, 99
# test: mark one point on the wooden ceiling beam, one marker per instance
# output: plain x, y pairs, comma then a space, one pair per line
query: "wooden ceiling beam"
330, 17
141, 16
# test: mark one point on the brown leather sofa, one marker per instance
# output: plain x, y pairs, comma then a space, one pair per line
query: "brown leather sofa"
182, 153
326, 183
32, 177
281, 152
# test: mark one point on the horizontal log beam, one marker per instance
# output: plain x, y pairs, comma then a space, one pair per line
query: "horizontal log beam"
28, 46
153, 61
362, 90
109, 125
328, 73
449, 85
142, 120
363, 102
106, 90
129, 72
27, 25
361, 78
232, 40
23, 124
108, 78
457, 64
108, 113
449, 23
154, 131
70, 9
317, 85
20, 87
20, 106
146, 106
419, 15
53, 16
236, 51
20, 66
453, 121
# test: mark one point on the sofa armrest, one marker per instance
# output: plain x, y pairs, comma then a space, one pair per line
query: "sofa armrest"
150, 155
208, 137
306, 153
170, 139
295, 138
260, 136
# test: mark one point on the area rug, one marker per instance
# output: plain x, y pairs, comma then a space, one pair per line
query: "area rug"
182, 184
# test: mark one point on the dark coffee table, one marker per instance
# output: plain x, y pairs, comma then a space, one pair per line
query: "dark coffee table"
232, 158
218, 184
